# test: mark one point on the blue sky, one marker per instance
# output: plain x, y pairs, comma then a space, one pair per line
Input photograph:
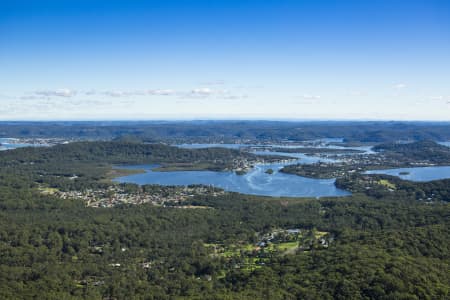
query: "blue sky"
229, 59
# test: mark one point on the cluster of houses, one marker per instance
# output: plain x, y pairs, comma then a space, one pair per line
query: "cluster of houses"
241, 165
379, 159
39, 141
115, 195
348, 164
305, 238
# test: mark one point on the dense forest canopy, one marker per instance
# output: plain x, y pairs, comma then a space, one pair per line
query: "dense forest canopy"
420, 150
91, 161
232, 130
376, 244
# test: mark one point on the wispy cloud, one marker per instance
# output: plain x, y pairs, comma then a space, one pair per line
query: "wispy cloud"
56, 93
31, 97
125, 93
310, 97
399, 86
200, 92
214, 82
206, 92
439, 98
163, 92
120, 93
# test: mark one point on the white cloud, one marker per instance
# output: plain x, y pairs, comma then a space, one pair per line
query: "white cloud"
30, 97
166, 92
202, 91
196, 93
440, 98
67, 93
310, 97
205, 92
234, 97
120, 93
90, 92
399, 86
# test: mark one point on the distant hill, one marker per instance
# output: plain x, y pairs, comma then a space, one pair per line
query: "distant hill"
214, 131
421, 150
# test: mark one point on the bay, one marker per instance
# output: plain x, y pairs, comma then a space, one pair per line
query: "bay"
417, 174
255, 182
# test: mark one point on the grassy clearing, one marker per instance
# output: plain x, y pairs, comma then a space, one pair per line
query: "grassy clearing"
319, 234
48, 190
249, 257
387, 183
282, 247
115, 173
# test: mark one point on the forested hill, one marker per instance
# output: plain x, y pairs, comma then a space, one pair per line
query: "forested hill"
384, 246
422, 150
119, 152
90, 162
217, 131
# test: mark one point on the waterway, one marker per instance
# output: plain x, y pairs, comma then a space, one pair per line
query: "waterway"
11, 143
417, 174
255, 182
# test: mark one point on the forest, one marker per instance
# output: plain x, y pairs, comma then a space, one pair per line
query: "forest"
231, 131
91, 161
381, 244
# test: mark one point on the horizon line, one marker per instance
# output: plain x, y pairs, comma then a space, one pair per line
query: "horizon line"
226, 119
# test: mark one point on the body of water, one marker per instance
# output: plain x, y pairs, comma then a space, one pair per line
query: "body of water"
254, 147
10, 143
255, 182
202, 146
258, 182
417, 174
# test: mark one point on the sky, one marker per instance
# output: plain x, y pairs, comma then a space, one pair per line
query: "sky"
246, 59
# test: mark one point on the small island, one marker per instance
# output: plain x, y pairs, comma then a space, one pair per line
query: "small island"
269, 171
240, 172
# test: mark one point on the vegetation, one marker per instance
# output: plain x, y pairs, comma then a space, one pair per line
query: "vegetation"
381, 245
385, 186
422, 150
231, 131
317, 170
392, 155
314, 151
269, 171
78, 165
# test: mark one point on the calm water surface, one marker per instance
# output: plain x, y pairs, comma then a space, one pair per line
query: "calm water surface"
255, 182
417, 174
9, 143
366, 149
